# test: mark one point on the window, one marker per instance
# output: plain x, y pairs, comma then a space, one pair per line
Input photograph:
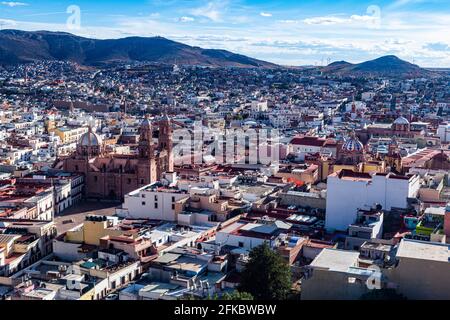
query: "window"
173, 206
173, 199
143, 195
156, 205
241, 244
129, 181
95, 178
142, 181
156, 198
143, 203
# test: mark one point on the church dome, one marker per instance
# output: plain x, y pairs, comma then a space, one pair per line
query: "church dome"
90, 139
146, 122
401, 120
353, 144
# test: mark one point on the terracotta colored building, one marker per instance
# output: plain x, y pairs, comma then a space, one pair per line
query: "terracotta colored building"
111, 176
401, 128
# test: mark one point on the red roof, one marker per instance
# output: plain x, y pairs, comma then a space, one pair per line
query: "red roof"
308, 141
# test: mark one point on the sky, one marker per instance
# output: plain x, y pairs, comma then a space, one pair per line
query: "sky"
287, 32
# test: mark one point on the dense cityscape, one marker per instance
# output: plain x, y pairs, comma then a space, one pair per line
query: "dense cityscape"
96, 205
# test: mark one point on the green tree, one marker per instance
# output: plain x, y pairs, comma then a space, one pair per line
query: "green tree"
382, 294
266, 276
235, 295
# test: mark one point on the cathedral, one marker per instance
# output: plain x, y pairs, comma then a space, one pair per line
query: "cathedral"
353, 156
111, 176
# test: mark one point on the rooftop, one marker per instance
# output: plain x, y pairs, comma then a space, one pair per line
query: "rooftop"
414, 249
336, 260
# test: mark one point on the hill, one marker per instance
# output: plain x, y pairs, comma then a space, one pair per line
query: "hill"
23, 47
390, 66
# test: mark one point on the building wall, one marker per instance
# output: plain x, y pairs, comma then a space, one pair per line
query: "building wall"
332, 285
94, 230
302, 201
447, 222
345, 197
67, 251
234, 240
143, 205
115, 185
91, 232
421, 279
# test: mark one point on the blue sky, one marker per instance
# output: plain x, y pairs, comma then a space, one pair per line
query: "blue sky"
291, 32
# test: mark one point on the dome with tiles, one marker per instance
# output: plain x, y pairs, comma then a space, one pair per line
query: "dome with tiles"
401, 120
90, 139
353, 145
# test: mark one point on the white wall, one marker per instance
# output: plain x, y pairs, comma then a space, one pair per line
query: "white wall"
249, 243
142, 205
345, 197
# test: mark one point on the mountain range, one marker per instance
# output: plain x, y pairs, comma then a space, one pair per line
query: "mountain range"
23, 47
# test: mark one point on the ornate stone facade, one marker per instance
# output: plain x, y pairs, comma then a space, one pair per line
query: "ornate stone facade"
111, 176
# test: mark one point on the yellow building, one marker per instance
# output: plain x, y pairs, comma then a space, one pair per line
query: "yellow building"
364, 167
69, 134
93, 229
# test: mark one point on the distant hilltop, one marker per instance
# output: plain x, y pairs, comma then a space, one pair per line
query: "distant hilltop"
23, 47
384, 66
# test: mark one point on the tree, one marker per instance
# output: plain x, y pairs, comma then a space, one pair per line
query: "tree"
266, 276
382, 294
235, 295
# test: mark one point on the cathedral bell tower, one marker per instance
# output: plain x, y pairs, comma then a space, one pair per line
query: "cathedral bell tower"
146, 149
165, 141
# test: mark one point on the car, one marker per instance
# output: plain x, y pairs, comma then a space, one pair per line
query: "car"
112, 296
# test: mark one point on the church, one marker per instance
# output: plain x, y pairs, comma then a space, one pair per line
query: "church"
111, 176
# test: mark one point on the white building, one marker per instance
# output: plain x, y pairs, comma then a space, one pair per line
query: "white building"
153, 201
349, 191
443, 132
259, 106
250, 235
44, 203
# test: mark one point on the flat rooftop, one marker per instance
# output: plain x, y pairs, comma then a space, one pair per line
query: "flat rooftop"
422, 250
335, 260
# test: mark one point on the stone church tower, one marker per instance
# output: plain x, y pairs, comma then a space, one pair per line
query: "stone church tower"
111, 176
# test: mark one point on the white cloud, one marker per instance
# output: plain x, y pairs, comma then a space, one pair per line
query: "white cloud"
332, 20
13, 4
7, 22
289, 21
422, 36
212, 11
265, 14
325, 20
186, 19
